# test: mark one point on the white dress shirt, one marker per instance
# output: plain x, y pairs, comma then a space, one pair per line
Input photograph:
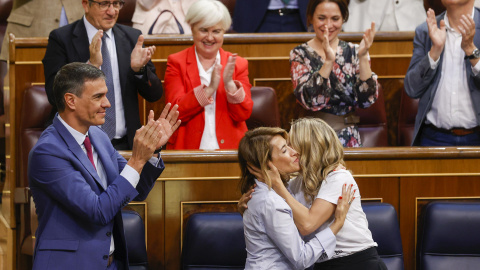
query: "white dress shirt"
209, 136
121, 126
271, 238
128, 172
452, 105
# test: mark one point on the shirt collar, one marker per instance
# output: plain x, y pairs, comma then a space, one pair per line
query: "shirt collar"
91, 30
78, 136
217, 61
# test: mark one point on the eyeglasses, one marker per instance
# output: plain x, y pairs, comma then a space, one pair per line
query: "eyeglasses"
104, 5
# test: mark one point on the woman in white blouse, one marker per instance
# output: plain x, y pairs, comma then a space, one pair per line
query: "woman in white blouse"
272, 240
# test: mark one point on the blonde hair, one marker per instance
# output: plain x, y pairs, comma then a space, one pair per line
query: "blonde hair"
320, 152
255, 149
208, 13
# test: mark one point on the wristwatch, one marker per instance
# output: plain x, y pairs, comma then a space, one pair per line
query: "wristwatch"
140, 72
474, 55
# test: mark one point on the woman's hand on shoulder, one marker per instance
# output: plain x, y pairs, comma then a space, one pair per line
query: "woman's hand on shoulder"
242, 203
367, 41
343, 205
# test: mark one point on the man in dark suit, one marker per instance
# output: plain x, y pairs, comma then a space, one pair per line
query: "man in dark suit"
80, 183
255, 16
118, 51
444, 74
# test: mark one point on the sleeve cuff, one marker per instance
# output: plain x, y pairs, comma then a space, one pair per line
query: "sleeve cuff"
131, 175
328, 241
238, 96
433, 64
202, 98
476, 69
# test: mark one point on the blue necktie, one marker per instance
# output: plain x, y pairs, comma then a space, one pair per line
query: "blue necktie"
110, 122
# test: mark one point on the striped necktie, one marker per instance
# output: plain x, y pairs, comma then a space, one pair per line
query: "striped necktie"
110, 121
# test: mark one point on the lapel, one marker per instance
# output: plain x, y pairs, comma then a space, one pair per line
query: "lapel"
123, 56
80, 41
75, 148
103, 152
193, 75
192, 68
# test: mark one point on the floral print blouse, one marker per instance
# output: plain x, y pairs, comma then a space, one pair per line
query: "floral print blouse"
340, 93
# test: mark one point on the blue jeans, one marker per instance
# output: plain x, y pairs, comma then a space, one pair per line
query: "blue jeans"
432, 137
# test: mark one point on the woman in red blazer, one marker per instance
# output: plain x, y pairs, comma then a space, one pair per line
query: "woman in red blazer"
210, 85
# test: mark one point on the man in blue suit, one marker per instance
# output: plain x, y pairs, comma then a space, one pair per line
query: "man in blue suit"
445, 74
80, 183
257, 16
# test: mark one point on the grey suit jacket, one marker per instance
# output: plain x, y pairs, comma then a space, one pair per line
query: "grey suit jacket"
422, 82
38, 17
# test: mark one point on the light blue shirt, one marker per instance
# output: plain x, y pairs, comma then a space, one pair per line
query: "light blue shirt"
273, 241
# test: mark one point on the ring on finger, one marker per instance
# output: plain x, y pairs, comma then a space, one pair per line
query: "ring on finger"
350, 202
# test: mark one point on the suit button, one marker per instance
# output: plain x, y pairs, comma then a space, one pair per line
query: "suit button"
109, 234
57, 20
222, 141
105, 257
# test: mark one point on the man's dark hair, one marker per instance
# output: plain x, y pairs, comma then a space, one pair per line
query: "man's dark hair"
71, 79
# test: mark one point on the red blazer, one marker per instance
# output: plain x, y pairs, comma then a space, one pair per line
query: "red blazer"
181, 77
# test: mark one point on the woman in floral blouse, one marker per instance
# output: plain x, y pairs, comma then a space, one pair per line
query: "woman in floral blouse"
330, 76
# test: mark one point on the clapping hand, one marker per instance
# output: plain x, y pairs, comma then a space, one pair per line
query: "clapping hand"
437, 35
367, 40
467, 29
228, 74
95, 49
168, 121
140, 56
329, 52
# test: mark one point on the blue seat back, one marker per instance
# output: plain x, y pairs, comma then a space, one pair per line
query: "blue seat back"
383, 223
214, 241
449, 237
135, 237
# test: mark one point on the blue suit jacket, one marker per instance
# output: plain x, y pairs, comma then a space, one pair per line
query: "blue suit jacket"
422, 82
76, 215
249, 14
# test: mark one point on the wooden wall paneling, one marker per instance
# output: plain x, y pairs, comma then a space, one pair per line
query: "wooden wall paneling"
385, 188
413, 188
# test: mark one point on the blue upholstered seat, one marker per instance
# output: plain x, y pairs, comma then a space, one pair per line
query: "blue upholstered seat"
383, 223
135, 237
214, 241
449, 236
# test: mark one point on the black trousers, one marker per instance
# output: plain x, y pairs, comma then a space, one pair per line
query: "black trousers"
367, 259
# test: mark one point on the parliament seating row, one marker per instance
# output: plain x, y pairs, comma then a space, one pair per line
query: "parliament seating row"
216, 240
448, 235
